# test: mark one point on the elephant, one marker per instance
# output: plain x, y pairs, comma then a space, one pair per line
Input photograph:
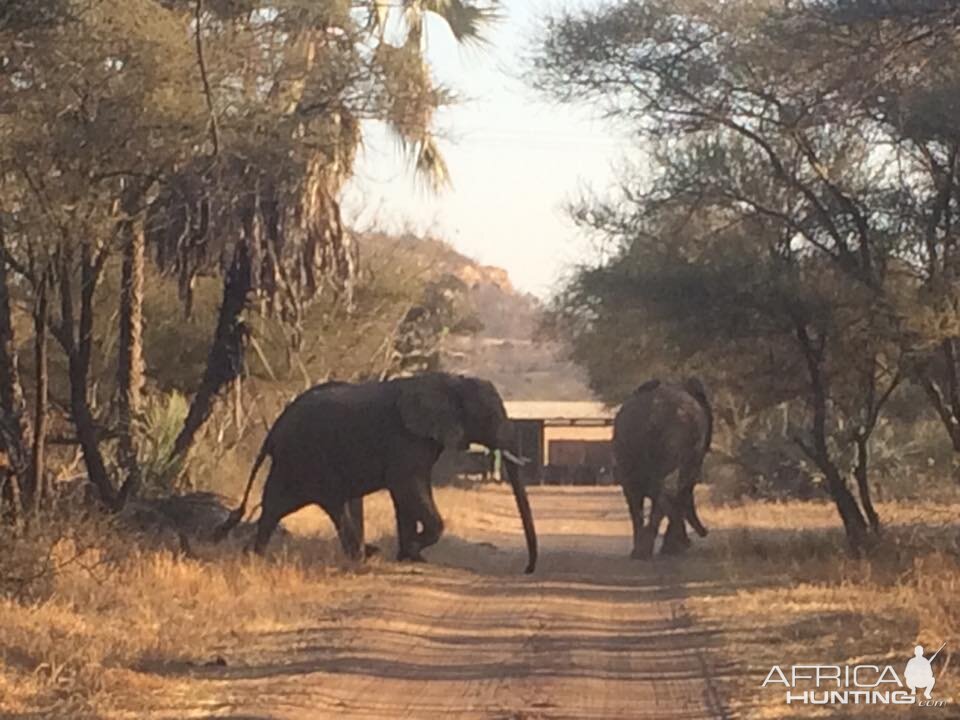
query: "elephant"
337, 442
662, 429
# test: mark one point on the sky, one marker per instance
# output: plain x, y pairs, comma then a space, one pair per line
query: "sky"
515, 161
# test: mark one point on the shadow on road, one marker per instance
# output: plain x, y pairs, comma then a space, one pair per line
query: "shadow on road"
597, 619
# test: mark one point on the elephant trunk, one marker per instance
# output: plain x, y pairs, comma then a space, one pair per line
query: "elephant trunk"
511, 466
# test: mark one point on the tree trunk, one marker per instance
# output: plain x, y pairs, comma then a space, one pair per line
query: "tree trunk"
130, 351
944, 395
42, 381
225, 360
863, 486
87, 434
853, 521
78, 349
875, 400
14, 432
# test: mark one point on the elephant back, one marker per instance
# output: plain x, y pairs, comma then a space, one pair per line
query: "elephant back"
329, 418
660, 427
647, 386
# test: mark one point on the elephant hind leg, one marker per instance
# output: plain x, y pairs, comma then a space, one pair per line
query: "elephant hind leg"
689, 506
635, 506
652, 528
265, 527
675, 540
355, 511
682, 509
277, 504
350, 539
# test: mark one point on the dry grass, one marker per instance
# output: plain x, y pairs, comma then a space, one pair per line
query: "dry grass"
775, 578
93, 639
112, 613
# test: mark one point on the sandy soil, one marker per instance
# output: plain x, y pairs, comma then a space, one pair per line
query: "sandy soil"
592, 635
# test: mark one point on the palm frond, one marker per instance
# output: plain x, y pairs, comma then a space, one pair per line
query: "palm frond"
379, 14
467, 21
409, 98
431, 165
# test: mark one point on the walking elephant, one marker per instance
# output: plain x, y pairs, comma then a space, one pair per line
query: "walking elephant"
660, 430
337, 442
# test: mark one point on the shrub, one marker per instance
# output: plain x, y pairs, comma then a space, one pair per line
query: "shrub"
161, 420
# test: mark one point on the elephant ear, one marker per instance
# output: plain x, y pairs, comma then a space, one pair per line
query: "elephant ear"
430, 407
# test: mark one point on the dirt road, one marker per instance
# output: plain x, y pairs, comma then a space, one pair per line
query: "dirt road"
590, 635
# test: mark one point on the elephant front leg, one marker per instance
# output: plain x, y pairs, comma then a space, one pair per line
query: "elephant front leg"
407, 547
413, 507
430, 520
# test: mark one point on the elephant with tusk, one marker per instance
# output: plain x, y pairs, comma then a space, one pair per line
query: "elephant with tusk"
337, 442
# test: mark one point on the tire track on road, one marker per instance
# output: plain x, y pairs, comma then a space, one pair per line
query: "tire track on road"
591, 636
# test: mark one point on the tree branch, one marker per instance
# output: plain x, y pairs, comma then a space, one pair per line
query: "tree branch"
202, 64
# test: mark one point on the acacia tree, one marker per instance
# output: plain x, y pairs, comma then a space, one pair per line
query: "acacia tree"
915, 104
732, 300
760, 113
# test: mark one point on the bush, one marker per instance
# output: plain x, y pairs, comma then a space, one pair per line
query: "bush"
162, 418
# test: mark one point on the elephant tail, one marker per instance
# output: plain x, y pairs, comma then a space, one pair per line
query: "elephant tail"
237, 515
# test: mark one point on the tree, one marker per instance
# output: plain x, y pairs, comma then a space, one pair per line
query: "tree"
730, 302
263, 210
86, 129
915, 106
443, 308
214, 136
758, 117
13, 428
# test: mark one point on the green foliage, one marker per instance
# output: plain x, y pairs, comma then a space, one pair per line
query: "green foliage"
161, 419
225, 131
794, 241
443, 308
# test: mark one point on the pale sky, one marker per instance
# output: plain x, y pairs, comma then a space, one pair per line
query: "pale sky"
515, 159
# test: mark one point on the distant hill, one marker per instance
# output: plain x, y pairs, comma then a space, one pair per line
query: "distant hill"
504, 351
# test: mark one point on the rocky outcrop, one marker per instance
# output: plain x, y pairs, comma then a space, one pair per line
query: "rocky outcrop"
474, 275
505, 350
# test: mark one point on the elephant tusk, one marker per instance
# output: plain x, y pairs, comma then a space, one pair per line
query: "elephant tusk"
521, 461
